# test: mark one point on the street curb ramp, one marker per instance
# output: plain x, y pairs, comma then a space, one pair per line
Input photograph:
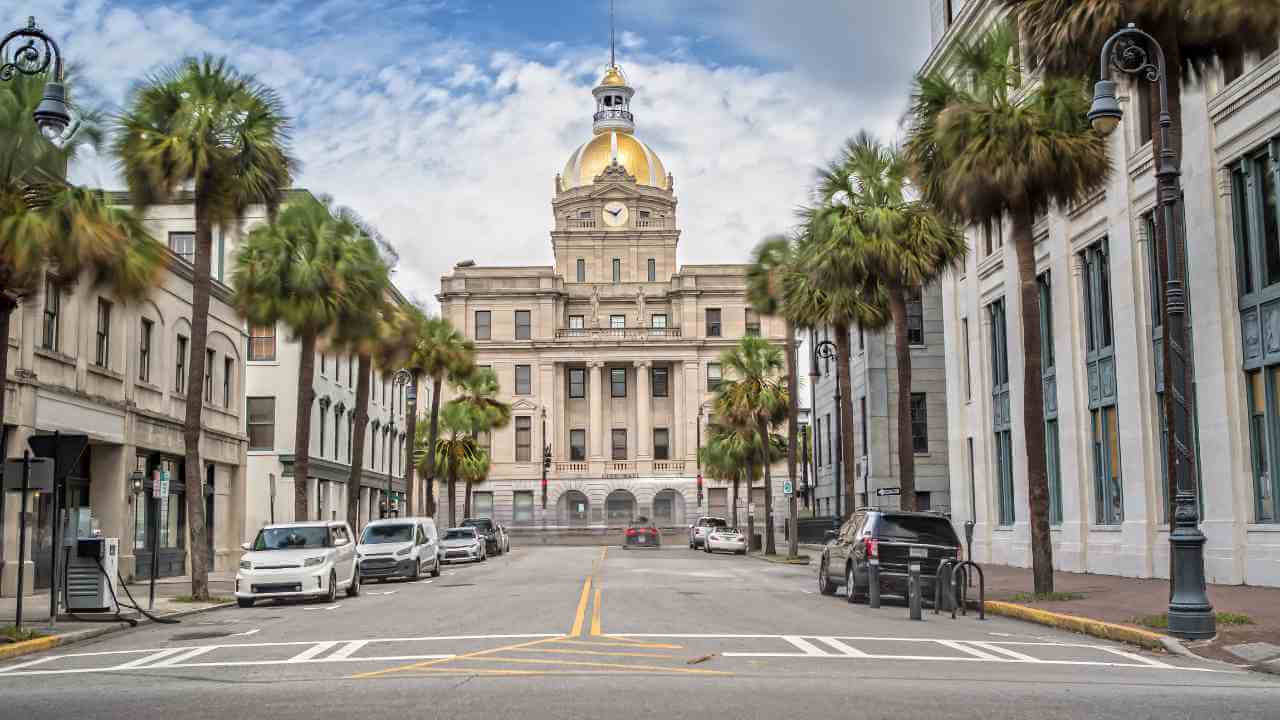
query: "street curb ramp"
48, 642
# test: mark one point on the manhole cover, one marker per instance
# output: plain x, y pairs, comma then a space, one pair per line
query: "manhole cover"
459, 585
208, 635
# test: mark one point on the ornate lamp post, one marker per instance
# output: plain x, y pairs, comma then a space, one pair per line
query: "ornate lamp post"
697, 455
826, 350
409, 379
38, 54
546, 457
1134, 52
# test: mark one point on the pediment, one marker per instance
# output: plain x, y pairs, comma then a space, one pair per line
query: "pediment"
523, 404
614, 191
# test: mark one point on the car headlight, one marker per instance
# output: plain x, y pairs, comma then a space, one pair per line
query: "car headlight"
314, 561
403, 552
246, 565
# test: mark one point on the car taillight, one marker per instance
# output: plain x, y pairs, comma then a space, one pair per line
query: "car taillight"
631, 532
872, 546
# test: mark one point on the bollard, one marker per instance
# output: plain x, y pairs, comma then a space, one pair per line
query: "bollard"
913, 590
873, 583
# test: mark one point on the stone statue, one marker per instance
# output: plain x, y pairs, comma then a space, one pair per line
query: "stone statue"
640, 302
595, 306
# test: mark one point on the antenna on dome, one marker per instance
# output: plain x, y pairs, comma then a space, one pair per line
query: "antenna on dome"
612, 60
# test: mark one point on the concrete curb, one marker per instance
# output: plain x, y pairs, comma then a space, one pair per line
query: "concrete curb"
49, 642
802, 560
1087, 626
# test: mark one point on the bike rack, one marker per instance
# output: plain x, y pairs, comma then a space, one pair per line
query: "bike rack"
957, 595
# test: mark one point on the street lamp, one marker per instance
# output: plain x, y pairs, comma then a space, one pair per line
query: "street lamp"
34, 57
698, 452
409, 379
546, 457
826, 350
1130, 51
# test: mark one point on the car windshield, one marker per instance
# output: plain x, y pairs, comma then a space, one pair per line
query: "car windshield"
713, 522
380, 534
483, 525
460, 534
726, 531
291, 538
916, 529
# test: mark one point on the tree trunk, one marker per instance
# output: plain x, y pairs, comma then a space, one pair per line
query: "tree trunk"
192, 428
734, 510
906, 448
1033, 402
302, 427
7, 306
360, 426
429, 472
453, 496
769, 547
466, 501
793, 430
850, 480
411, 429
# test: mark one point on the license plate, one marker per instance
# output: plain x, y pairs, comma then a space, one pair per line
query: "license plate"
919, 552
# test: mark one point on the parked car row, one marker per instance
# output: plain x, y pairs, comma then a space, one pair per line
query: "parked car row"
893, 540
713, 534
317, 559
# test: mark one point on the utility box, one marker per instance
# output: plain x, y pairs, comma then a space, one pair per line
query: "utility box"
91, 574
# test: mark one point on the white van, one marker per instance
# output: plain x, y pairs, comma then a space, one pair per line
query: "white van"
399, 547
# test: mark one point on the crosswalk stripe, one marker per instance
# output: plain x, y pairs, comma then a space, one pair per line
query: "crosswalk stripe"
1006, 652
804, 646
347, 650
146, 659
312, 652
844, 649
1136, 658
975, 652
183, 657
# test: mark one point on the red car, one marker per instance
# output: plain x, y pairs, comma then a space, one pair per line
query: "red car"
642, 533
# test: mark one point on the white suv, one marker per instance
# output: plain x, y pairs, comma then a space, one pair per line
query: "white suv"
301, 559
399, 547
698, 531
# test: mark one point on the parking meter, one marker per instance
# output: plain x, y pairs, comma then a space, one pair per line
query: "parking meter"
968, 537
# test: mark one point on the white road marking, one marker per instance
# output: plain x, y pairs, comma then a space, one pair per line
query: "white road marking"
384, 592
247, 633
975, 652
314, 651
805, 646
184, 656
28, 664
1132, 656
149, 658
844, 649
347, 650
1003, 651
331, 607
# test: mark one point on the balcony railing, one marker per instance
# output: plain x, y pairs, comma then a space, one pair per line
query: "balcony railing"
580, 223
571, 468
668, 466
620, 467
614, 115
620, 333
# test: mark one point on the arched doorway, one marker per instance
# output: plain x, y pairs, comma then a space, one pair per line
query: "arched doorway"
668, 509
573, 509
620, 507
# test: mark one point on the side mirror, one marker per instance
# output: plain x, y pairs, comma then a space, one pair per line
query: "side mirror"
245, 546
830, 535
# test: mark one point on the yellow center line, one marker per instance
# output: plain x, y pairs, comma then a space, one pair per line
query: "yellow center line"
623, 666
429, 663
561, 651
595, 614
581, 615
636, 644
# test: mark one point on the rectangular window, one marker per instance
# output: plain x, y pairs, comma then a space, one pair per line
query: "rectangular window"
351, 369
618, 382
577, 383
617, 270
1001, 427
1106, 458
817, 443
964, 359
661, 444
262, 343
524, 438
144, 350
1053, 460
1143, 116
1262, 445
915, 316
577, 325
862, 415
524, 326
482, 504
1052, 448
619, 444
209, 357
713, 377
324, 364
484, 325
577, 445
1047, 357
228, 373
617, 322
659, 381
1097, 299
713, 322
102, 356
52, 313
522, 506
582, 269
653, 270
324, 425
261, 415
752, 323
183, 244
828, 438
524, 380
658, 321
180, 365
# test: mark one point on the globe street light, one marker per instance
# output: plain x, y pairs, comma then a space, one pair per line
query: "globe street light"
34, 57
408, 378
826, 350
1134, 52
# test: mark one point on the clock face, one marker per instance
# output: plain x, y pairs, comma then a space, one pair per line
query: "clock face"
615, 214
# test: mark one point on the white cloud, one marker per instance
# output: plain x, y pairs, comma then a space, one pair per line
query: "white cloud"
451, 149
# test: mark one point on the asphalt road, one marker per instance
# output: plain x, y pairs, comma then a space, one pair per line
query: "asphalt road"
583, 632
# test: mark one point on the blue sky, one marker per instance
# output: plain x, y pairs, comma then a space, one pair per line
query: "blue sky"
445, 121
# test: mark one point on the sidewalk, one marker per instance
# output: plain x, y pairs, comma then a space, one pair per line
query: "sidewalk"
35, 612
1124, 601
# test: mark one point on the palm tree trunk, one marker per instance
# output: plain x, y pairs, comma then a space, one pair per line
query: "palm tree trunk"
1033, 402
411, 426
902, 353
430, 471
359, 429
843, 350
793, 444
7, 306
453, 496
769, 547
733, 512
302, 426
466, 501
192, 427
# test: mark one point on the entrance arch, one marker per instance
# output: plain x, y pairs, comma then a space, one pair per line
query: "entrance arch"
573, 509
620, 507
668, 509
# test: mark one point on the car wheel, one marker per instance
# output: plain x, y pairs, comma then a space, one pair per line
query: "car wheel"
825, 585
855, 596
353, 590
333, 587
435, 569
244, 602
417, 571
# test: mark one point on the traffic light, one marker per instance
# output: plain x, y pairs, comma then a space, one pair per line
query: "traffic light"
546, 458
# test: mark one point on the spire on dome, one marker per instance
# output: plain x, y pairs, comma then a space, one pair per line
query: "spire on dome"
613, 94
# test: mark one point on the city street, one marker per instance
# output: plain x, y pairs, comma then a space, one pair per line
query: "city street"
553, 632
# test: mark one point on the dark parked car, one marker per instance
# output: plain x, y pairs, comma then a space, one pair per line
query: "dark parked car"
642, 533
495, 536
896, 539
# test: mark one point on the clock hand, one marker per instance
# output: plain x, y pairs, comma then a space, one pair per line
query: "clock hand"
614, 213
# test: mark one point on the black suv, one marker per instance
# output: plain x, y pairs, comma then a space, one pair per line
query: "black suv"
495, 536
893, 537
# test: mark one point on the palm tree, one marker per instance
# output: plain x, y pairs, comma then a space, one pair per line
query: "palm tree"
363, 331
478, 391
456, 451
47, 225
815, 296
731, 454
202, 125
866, 221
772, 260
442, 353
301, 270
755, 396
980, 148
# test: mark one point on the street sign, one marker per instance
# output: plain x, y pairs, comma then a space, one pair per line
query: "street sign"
786, 487
40, 480
881, 492
160, 485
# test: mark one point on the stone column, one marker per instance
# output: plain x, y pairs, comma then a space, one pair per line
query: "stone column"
678, 417
595, 427
644, 411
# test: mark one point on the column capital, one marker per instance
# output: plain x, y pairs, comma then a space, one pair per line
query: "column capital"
642, 363
595, 363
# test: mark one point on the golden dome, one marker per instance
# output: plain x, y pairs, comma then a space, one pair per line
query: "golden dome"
613, 77
592, 158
